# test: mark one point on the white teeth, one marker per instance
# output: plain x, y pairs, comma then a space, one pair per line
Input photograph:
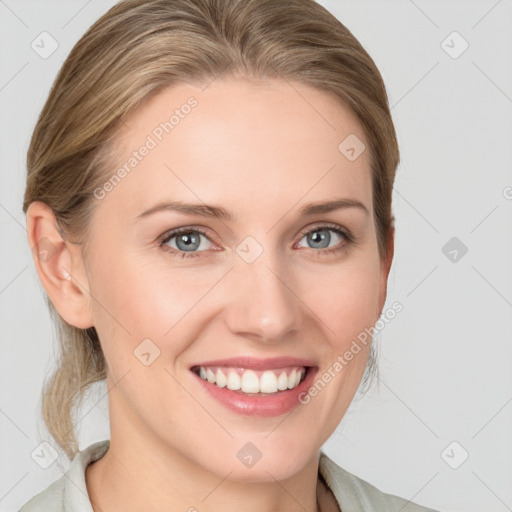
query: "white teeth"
234, 381
220, 379
249, 382
282, 382
268, 382
210, 376
291, 379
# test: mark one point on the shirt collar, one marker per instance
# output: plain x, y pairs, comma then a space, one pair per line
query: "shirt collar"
76, 497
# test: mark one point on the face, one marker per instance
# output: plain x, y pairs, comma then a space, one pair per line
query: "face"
249, 288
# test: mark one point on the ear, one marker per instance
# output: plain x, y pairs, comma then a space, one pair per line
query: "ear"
385, 267
59, 265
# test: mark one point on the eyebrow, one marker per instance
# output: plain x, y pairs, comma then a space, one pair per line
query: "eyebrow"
218, 212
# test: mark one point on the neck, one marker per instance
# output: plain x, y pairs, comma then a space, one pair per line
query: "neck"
140, 472
133, 478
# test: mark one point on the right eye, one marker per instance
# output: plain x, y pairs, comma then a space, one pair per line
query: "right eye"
187, 242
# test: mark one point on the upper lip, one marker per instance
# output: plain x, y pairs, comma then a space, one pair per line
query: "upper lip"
257, 363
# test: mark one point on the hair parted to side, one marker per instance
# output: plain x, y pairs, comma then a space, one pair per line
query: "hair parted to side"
135, 50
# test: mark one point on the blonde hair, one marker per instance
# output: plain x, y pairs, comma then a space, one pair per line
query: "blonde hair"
135, 50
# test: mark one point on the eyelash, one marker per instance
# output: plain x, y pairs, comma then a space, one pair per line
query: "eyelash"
349, 239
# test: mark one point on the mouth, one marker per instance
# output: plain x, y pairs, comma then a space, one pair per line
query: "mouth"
256, 387
253, 382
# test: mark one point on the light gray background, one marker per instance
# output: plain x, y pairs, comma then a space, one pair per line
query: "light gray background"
445, 360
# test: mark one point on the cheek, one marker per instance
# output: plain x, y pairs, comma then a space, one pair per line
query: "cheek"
345, 297
142, 298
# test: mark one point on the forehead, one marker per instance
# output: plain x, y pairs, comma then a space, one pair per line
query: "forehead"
268, 145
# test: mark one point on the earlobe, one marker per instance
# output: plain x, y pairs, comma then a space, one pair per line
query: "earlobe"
59, 266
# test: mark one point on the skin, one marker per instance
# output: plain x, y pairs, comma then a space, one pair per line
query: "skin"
259, 150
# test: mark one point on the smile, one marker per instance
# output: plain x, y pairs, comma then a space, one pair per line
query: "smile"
256, 387
252, 381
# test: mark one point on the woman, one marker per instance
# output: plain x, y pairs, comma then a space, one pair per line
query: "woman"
209, 196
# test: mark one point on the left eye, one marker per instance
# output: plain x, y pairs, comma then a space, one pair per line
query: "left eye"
320, 237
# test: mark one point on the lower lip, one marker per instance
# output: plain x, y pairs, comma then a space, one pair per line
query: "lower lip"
273, 404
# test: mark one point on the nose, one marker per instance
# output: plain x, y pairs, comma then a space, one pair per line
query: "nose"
263, 305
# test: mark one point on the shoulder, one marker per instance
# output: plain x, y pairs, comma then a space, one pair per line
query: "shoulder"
51, 498
357, 495
69, 492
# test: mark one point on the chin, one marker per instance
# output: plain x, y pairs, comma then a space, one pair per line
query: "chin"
259, 459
